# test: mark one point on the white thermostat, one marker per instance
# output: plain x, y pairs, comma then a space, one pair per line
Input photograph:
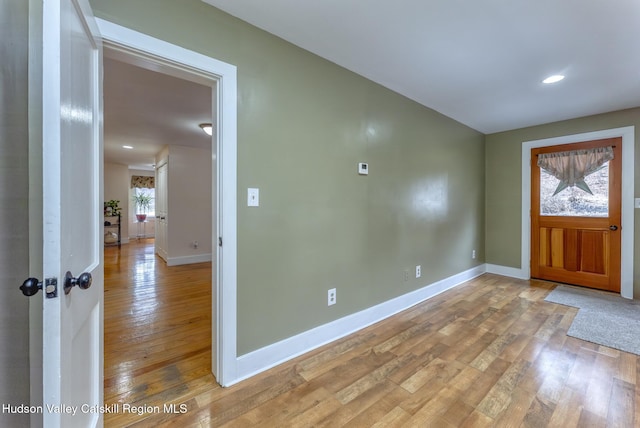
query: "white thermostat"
363, 168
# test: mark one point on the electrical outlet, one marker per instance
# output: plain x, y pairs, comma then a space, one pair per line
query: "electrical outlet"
331, 297
195, 244
473, 254
406, 274
418, 271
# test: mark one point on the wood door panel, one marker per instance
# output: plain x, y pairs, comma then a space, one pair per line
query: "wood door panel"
544, 258
595, 251
574, 250
578, 250
572, 246
557, 248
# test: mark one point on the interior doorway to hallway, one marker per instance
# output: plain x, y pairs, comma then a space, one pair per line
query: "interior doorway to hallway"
221, 77
158, 312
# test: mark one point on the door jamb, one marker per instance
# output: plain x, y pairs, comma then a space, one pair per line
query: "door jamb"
175, 60
627, 223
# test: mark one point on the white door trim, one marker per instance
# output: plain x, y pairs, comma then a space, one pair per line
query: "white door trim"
627, 227
205, 69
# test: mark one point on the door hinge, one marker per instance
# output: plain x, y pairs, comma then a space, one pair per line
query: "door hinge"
51, 287
220, 241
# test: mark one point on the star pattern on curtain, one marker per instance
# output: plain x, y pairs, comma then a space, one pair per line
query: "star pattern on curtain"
572, 167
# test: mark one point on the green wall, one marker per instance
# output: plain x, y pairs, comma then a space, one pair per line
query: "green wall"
303, 125
503, 182
14, 209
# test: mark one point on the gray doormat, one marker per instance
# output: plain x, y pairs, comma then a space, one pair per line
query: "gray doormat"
604, 318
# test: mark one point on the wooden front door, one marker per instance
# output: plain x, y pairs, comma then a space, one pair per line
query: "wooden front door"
575, 235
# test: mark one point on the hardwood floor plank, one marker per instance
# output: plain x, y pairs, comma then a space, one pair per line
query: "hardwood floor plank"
320, 362
469, 353
126, 389
598, 393
516, 410
591, 420
499, 397
370, 407
418, 399
417, 362
539, 413
487, 353
568, 409
290, 405
466, 379
415, 332
491, 352
438, 369
395, 418
370, 380
435, 408
621, 405
487, 379
457, 412
627, 368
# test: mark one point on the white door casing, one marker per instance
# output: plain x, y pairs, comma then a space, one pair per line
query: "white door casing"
140, 49
627, 224
72, 214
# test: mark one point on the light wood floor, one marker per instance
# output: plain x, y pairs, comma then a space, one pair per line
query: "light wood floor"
488, 353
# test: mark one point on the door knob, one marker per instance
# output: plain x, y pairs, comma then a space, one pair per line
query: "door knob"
613, 227
83, 281
32, 285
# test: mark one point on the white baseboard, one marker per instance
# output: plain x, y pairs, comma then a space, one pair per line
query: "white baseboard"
506, 271
186, 260
265, 358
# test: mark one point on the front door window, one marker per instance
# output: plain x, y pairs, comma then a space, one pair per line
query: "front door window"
574, 201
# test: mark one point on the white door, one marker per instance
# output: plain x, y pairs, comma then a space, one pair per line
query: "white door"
162, 213
72, 214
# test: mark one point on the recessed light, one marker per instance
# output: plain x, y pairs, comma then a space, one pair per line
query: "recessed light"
127, 147
553, 79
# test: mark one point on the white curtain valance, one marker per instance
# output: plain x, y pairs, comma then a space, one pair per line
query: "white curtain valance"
573, 166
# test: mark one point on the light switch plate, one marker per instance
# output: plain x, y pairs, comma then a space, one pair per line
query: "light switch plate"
253, 197
636, 202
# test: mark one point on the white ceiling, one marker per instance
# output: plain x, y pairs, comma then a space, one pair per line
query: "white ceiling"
480, 62
148, 110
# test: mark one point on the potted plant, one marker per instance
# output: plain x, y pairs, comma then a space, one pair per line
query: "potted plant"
111, 208
143, 202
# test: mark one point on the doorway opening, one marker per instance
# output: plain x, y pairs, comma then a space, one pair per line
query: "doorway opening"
575, 213
157, 332
171, 59
627, 213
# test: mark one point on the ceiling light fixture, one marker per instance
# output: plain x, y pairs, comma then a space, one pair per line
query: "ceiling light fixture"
207, 128
127, 147
553, 79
